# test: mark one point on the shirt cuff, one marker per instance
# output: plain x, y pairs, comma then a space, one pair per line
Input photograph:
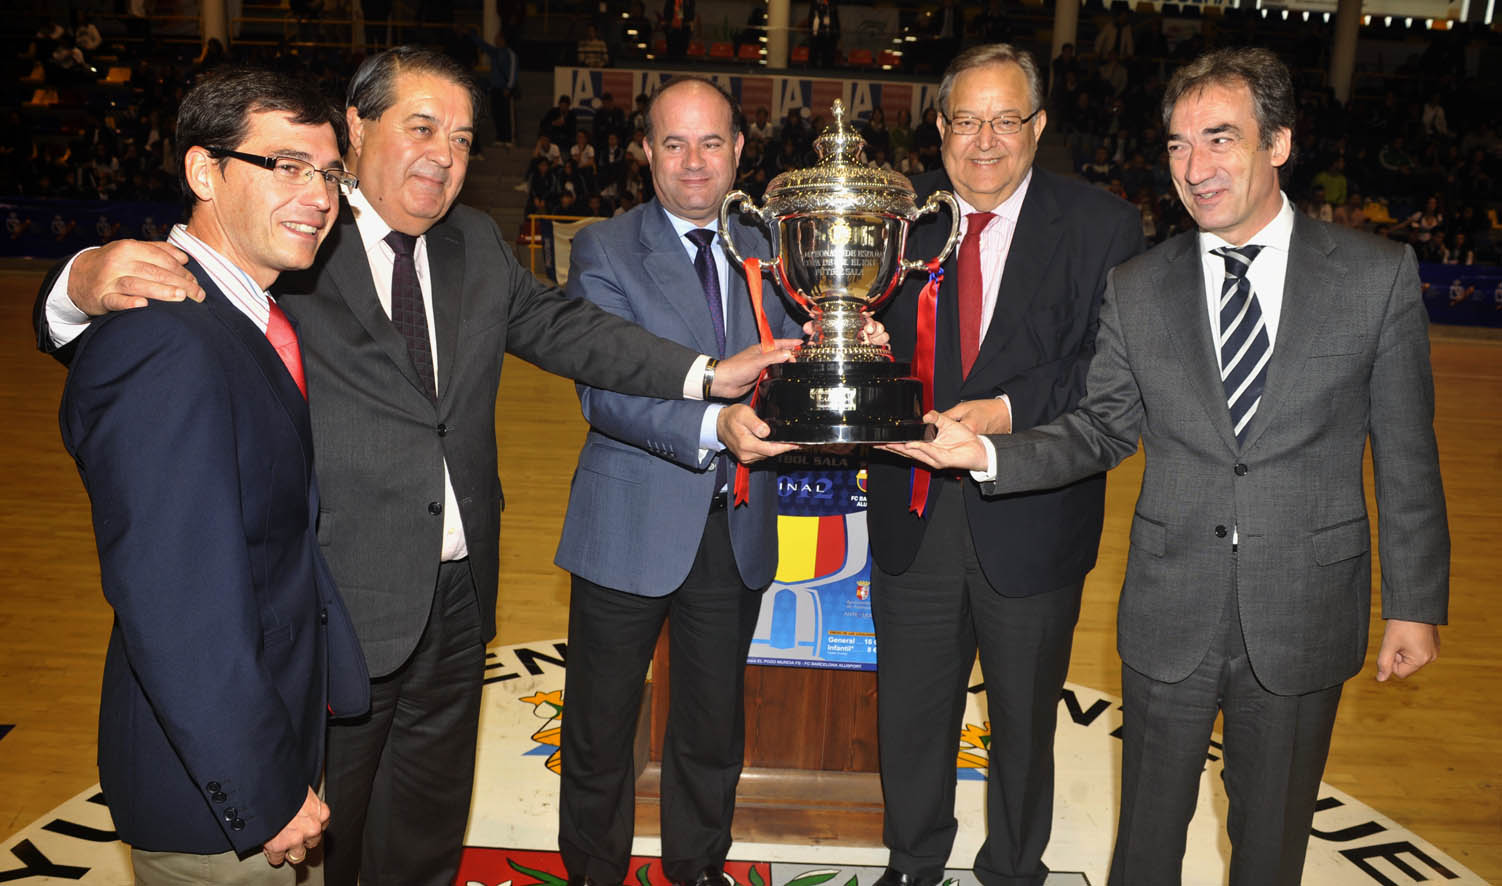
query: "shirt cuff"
709, 437
65, 321
989, 474
693, 384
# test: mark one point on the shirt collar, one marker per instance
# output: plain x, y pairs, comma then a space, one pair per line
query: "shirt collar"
1275, 235
1010, 208
681, 226
228, 276
373, 228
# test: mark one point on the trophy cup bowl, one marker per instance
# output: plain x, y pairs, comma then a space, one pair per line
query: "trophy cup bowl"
839, 231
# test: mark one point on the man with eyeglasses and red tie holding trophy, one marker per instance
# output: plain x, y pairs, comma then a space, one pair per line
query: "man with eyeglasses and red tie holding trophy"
1009, 337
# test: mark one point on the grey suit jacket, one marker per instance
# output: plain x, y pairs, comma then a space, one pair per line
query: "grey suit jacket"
381, 443
1350, 365
641, 492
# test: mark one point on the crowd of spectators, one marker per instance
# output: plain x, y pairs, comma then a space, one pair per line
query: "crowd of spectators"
1416, 155
93, 136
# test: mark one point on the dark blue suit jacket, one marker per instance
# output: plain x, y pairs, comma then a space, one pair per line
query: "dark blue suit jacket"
230, 645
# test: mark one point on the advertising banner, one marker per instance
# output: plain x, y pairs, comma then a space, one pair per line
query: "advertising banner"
817, 613
778, 94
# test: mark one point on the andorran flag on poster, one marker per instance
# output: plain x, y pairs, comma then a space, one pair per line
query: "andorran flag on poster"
817, 613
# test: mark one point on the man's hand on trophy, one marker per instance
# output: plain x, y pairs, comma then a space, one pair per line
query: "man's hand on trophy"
744, 435
126, 273
735, 375
991, 416
953, 446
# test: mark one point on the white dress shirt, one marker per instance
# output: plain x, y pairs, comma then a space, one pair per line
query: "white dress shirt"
709, 438
995, 246
1266, 274
373, 230
66, 322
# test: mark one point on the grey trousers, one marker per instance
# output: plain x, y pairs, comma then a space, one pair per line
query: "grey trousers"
1274, 751
224, 869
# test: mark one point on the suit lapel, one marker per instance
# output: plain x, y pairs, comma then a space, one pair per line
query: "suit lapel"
446, 274
350, 270
1180, 283
1039, 228
260, 350
668, 264
1310, 273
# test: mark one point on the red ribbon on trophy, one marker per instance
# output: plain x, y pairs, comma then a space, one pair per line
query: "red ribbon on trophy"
923, 367
764, 331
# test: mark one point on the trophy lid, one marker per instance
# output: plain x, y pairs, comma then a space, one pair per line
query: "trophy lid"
841, 181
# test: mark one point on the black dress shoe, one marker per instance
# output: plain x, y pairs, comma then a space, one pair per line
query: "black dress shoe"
894, 877
710, 876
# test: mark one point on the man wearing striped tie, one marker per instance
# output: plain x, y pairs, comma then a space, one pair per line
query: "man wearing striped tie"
1255, 359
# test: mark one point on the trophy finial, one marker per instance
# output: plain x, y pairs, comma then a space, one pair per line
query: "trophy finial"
839, 142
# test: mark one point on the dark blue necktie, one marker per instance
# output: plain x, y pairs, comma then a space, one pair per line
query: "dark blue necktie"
1244, 344
407, 312
709, 278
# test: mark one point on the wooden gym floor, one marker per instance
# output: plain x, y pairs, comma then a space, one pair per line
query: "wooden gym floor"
1425, 752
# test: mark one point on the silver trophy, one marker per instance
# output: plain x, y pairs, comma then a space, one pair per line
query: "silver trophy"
839, 230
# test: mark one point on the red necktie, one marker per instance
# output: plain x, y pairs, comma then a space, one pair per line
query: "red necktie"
282, 337
970, 289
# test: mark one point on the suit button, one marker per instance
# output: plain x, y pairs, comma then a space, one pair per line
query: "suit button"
323, 616
238, 824
435, 508
229, 814
1240, 470
1220, 532
443, 430
212, 786
219, 797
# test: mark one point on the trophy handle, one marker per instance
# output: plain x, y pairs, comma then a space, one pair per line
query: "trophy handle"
935, 200
732, 199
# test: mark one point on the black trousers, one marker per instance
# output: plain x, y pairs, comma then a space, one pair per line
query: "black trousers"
611, 635
398, 780
1274, 753
930, 622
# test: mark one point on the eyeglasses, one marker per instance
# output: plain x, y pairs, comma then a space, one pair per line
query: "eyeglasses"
1007, 124
294, 172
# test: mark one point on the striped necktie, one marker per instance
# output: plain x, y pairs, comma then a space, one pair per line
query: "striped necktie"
1244, 343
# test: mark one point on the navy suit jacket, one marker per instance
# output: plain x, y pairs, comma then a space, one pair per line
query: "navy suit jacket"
230, 646
641, 492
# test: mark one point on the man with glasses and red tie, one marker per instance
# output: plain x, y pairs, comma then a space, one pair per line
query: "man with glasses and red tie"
1004, 345
189, 424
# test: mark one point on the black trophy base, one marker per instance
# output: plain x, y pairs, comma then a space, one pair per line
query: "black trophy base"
816, 403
